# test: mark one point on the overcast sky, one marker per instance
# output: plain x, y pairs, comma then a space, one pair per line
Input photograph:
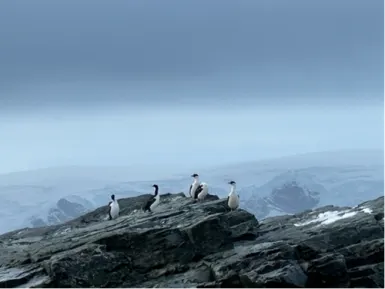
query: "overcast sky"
179, 83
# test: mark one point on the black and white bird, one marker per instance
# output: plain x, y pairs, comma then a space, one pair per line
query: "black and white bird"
233, 198
197, 188
202, 191
114, 209
153, 201
194, 186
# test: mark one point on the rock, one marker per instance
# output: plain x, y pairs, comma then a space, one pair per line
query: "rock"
328, 270
188, 244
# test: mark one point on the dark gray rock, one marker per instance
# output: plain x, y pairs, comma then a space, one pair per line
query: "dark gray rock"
199, 244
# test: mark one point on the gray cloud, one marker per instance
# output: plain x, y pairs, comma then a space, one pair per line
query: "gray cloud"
72, 53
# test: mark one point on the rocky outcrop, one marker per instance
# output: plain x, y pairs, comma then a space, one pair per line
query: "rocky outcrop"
187, 244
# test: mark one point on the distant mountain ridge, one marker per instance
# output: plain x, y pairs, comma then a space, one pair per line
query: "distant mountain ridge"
26, 199
287, 198
64, 211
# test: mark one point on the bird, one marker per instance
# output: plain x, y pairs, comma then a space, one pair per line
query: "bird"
153, 201
233, 198
114, 209
201, 192
194, 186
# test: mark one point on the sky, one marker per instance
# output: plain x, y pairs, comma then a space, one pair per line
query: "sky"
187, 83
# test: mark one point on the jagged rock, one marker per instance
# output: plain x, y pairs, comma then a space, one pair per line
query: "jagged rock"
199, 244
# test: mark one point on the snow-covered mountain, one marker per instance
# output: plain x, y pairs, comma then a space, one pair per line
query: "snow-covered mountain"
287, 198
66, 209
339, 178
340, 185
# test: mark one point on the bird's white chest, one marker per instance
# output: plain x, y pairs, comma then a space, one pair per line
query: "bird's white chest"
195, 185
233, 200
203, 193
156, 203
114, 209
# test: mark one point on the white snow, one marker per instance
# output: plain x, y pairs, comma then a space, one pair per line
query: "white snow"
330, 217
367, 210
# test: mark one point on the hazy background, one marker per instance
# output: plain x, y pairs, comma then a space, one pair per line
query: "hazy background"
185, 84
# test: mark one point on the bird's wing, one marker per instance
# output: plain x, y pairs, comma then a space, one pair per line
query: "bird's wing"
150, 201
228, 197
109, 203
190, 189
198, 190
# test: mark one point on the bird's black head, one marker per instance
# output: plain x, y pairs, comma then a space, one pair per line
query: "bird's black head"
232, 183
113, 197
195, 175
156, 189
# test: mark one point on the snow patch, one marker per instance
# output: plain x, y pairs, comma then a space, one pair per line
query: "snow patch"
367, 210
331, 218
328, 217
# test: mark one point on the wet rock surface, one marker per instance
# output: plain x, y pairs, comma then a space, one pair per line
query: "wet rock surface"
202, 245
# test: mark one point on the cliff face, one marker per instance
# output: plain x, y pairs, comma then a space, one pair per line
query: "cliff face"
186, 244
